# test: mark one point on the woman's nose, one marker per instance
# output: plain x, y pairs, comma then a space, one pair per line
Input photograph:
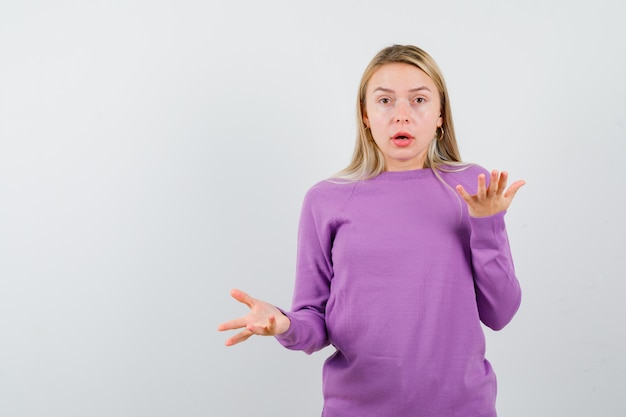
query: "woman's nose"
402, 113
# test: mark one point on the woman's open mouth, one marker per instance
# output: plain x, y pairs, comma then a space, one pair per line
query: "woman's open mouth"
402, 139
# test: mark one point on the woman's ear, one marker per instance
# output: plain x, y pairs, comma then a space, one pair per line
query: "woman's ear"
366, 121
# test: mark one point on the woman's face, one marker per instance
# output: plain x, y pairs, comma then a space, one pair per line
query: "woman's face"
403, 111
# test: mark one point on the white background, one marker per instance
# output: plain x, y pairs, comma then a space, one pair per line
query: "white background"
154, 154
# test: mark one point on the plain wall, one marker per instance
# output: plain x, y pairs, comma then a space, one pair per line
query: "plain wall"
154, 155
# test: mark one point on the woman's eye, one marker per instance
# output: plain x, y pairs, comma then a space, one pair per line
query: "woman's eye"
384, 101
419, 100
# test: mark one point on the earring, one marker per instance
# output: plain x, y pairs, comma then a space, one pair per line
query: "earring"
440, 137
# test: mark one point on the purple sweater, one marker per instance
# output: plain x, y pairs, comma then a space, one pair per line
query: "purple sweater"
395, 274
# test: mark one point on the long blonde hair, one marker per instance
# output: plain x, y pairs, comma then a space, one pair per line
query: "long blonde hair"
367, 159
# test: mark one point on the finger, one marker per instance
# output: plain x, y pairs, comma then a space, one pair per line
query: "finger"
271, 327
242, 297
493, 183
232, 324
464, 194
504, 177
239, 337
481, 190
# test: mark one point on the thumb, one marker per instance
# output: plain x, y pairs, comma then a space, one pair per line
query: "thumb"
514, 188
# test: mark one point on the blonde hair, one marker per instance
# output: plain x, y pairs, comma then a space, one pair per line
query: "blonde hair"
367, 159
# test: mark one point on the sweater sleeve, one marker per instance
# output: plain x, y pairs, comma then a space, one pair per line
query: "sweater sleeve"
307, 331
498, 292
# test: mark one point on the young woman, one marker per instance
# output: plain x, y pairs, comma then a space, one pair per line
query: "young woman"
400, 257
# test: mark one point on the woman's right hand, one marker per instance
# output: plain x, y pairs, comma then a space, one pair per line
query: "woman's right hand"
264, 319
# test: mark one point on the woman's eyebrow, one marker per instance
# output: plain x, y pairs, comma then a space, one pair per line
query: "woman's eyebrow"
412, 90
422, 88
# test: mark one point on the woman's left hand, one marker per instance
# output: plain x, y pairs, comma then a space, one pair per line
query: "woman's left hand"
493, 199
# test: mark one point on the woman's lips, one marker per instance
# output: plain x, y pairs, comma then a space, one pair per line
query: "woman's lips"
402, 139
